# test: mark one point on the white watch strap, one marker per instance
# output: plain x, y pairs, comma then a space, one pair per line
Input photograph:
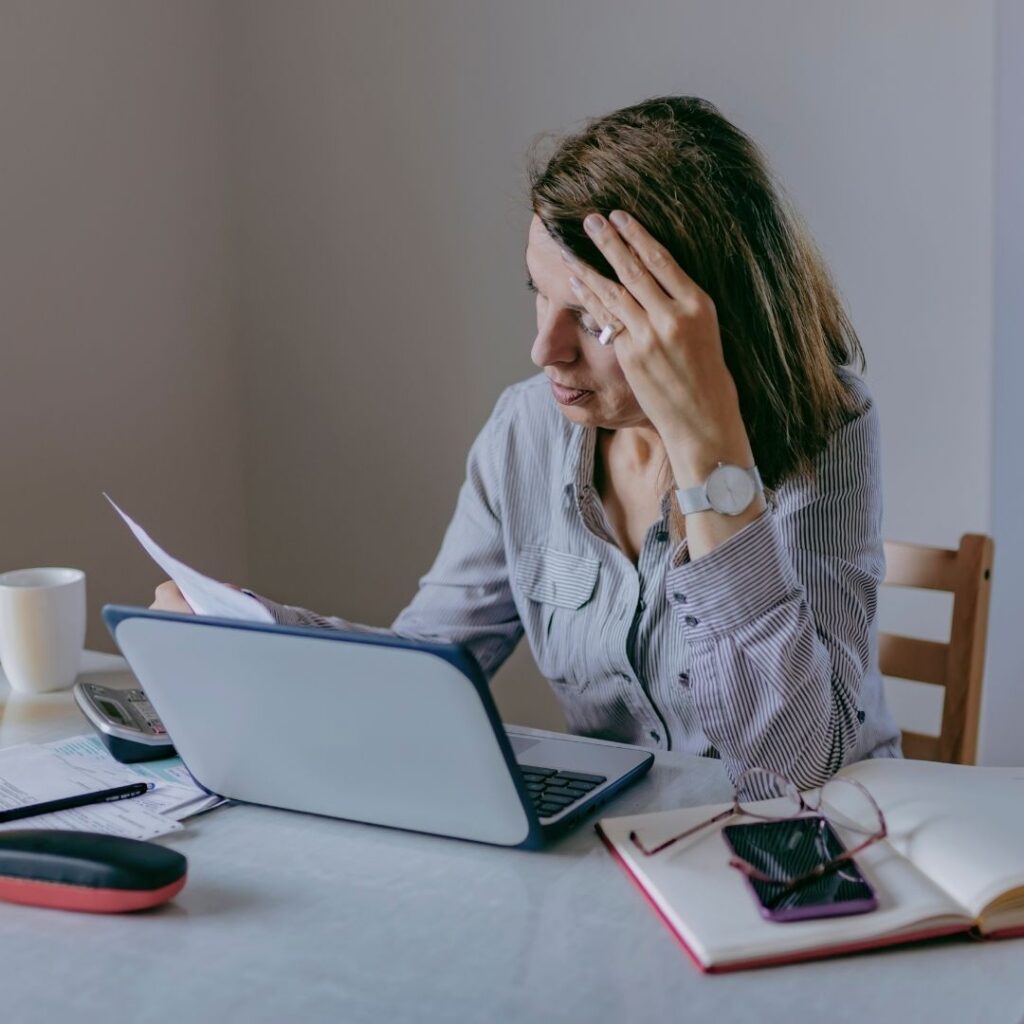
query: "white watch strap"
693, 499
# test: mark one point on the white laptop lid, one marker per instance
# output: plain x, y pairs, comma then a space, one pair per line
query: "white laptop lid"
346, 725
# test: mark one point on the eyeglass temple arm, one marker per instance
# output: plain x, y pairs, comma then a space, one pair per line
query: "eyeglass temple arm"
635, 838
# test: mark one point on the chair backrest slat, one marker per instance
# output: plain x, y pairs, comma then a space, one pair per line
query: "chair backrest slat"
958, 665
914, 565
907, 657
920, 747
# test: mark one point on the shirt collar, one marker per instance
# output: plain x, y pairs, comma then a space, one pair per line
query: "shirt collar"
578, 468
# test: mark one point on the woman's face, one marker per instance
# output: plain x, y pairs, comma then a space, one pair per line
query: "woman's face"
593, 390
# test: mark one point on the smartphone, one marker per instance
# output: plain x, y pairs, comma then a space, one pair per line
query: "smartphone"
792, 847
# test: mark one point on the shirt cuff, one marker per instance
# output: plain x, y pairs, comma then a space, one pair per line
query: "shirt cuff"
283, 615
737, 582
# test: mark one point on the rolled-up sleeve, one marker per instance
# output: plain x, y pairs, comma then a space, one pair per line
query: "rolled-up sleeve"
779, 617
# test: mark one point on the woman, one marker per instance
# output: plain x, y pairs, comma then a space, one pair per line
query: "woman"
684, 521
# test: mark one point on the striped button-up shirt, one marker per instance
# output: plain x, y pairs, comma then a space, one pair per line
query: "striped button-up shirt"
762, 652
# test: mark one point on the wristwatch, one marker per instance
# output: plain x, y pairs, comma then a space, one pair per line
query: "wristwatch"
728, 490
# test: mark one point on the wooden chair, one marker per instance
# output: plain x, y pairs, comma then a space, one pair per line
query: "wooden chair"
957, 665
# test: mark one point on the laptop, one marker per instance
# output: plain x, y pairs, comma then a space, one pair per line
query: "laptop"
365, 727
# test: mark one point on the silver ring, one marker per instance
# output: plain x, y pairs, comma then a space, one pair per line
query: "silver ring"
609, 332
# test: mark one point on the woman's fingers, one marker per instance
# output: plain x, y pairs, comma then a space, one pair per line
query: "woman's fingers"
651, 286
591, 303
607, 300
656, 259
168, 598
625, 248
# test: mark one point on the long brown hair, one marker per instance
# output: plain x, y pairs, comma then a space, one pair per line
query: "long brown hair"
702, 188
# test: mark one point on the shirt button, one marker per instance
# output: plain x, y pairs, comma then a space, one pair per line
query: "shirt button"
684, 680
643, 604
680, 598
661, 536
690, 620
654, 736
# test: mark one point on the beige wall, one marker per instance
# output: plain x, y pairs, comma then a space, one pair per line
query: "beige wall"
117, 368
378, 166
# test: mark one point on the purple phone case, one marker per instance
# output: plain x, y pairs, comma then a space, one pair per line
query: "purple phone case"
844, 908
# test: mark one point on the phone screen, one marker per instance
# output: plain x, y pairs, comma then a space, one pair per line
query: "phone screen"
792, 847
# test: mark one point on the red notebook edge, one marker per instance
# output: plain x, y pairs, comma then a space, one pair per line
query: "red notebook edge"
648, 899
820, 953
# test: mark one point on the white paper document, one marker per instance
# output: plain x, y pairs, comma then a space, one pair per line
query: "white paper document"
177, 794
31, 774
206, 596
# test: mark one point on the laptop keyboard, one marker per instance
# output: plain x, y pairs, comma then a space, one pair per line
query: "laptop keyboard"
553, 791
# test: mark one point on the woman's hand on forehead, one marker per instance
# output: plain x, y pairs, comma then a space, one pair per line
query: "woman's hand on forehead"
670, 349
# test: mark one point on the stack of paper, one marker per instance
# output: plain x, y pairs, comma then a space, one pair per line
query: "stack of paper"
31, 774
169, 774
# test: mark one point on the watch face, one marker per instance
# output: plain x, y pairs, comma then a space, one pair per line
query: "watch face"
730, 490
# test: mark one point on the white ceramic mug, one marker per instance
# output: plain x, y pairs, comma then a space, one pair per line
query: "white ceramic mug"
42, 627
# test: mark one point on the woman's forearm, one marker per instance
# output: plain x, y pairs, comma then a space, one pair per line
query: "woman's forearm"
694, 458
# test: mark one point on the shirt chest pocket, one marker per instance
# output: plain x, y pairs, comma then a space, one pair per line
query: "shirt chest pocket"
558, 587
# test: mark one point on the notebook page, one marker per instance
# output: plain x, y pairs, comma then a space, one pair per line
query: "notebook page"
958, 823
708, 903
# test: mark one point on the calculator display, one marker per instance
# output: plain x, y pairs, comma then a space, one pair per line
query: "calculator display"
126, 722
112, 711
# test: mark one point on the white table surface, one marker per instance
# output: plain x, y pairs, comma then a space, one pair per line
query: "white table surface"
294, 918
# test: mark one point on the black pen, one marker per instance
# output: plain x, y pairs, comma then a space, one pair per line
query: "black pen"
82, 800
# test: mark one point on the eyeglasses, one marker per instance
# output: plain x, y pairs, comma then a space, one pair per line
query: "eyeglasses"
841, 802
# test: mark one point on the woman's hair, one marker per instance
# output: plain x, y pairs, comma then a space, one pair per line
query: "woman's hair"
702, 188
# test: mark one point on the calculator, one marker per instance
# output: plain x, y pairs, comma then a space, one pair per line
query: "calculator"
126, 722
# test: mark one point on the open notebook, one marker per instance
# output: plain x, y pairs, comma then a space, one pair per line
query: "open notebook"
953, 862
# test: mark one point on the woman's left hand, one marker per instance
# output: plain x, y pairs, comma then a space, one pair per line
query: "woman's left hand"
670, 349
